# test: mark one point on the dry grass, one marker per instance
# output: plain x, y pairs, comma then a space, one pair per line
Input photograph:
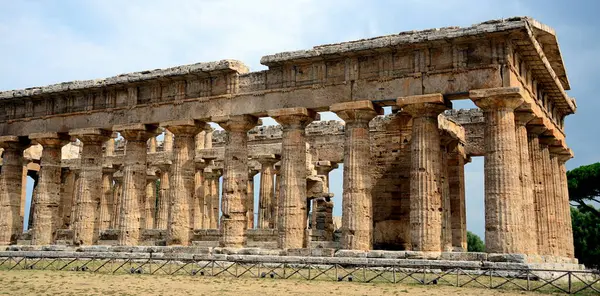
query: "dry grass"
32, 282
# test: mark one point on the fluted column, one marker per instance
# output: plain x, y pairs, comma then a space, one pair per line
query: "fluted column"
152, 145
168, 141
47, 197
567, 231
162, 216
234, 205
117, 199
250, 199
557, 205
446, 236
134, 181
10, 188
149, 206
208, 132
200, 202
456, 184
425, 194
267, 190
552, 236
67, 188
277, 198
357, 205
214, 195
75, 198
539, 193
107, 200
89, 187
292, 201
322, 218
528, 231
503, 195
181, 181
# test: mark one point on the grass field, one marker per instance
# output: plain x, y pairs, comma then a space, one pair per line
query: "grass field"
37, 282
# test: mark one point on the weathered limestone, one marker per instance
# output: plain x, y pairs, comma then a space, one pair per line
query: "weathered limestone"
425, 194
539, 192
181, 180
277, 197
47, 197
446, 236
117, 200
458, 212
214, 198
67, 190
162, 216
292, 202
267, 191
234, 205
149, 205
10, 188
200, 210
503, 193
566, 206
107, 200
89, 189
322, 208
549, 200
528, 229
357, 206
134, 181
250, 199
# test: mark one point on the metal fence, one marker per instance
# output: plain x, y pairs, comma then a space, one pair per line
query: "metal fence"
549, 281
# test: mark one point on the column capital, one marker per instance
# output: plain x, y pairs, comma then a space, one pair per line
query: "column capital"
91, 135
430, 105
201, 164
295, 118
323, 167
237, 123
522, 118
267, 159
50, 139
184, 127
137, 132
252, 173
14, 142
357, 111
501, 98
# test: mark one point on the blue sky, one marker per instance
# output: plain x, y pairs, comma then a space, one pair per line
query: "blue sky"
43, 42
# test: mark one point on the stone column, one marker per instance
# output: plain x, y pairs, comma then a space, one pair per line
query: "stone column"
168, 141
67, 188
277, 198
200, 211
539, 193
292, 202
557, 206
323, 208
235, 179
134, 180
109, 147
528, 229
549, 204
425, 194
107, 200
152, 145
208, 137
357, 205
456, 184
568, 249
47, 197
446, 236
214, 194
250, 199
10, 188
267, 190
181, 181
162, 216
149, 206
117, 199
89, 189
503, 196
75, 197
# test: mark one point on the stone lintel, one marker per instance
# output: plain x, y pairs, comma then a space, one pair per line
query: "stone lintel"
184, 122
496, 92
420, 99
355, 105
237, 122
297, 111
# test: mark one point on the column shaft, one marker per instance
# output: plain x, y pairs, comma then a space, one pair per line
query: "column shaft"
446, 237
67, 189
549, 205
150, 204
266, 195
163, 200
106, 203
199, 197
557, 204
10, 191
568, 227
215, 221
456, 183
528, 230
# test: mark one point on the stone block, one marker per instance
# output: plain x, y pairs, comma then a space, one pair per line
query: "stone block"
322, 252
351, 253
55, 248
518, 258
298, 252
423, 255
464, 256
386, 254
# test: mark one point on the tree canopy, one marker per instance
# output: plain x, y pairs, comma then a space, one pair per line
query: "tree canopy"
584, 186
586, 237
474, 243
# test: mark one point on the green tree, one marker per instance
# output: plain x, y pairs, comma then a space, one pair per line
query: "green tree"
584, 186
474, 243
586, 237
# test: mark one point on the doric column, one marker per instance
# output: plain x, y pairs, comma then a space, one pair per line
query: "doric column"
549, 206
162, 216
503, 198
67, 188
357, 205
250, 199
214, 196
152, 145
322, 218
109, 147
446, 236
181, 181
292, 202
10, 188
274, 222
425, 194
117, 199
267, 190
107, 200
234, 204
539, 192
149, 207
75, 197
200, 203
134, 180
567, 231
168, 141
456, 184
208, 137
528, 229
47, 197
89, 187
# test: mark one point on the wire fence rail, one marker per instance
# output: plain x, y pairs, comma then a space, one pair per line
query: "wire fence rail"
548, 281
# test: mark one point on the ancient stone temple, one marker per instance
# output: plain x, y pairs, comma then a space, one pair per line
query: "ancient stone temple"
132, 159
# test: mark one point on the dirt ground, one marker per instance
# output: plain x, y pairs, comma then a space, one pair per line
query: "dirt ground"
77, 283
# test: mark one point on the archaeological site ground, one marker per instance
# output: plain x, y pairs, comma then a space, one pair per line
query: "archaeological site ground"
130, 177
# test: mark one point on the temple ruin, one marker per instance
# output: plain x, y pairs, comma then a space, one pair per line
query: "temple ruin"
403, 173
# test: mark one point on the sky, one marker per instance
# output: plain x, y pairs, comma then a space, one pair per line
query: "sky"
51, 41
